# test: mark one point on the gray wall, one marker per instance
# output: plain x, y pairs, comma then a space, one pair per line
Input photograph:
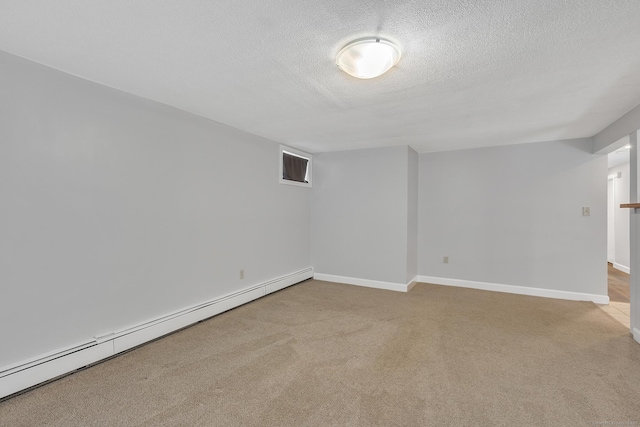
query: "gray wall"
412, 215
513, 215
359, 214
116, 210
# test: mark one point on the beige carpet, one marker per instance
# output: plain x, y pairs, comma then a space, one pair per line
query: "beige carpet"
319, 354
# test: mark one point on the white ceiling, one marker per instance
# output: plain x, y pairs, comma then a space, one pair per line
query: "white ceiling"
473, 73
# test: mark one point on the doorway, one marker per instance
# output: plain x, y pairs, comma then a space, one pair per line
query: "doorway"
618, 236
618, 220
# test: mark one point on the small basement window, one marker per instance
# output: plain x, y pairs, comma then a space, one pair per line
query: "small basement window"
295, 167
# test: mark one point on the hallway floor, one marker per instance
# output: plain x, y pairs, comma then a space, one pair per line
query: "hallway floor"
619, 293
618, 284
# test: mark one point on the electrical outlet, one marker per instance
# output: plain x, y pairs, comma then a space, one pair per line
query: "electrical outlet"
241, 274
586, 211
445, 260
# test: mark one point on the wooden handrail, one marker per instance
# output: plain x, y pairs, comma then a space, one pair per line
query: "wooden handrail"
630, 205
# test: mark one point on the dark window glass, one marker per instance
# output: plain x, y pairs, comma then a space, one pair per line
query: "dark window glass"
294, 168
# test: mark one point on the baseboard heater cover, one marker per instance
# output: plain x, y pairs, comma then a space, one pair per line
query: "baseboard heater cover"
31, 372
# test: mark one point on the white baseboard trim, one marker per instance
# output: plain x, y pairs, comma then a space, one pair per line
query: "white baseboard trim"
520, 290
31, 372
390, 286
621, 267
636, 334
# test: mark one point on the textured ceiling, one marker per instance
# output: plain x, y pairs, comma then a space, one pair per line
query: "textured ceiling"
473, 73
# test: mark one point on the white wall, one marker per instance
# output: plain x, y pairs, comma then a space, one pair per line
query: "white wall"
116, 210
513, 215
621, 234
360, 214
611, 221
634, 227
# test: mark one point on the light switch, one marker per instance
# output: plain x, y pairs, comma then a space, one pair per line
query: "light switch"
586, 211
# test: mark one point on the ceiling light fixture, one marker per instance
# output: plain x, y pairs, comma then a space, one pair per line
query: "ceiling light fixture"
368, 58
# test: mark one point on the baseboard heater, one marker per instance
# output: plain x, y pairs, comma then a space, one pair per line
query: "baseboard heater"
28, 373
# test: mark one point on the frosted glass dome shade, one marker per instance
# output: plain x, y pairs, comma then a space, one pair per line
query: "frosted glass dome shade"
368, 58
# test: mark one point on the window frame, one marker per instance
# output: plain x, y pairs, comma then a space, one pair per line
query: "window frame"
297, 153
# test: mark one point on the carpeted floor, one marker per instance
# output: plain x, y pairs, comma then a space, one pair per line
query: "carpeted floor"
322, 354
